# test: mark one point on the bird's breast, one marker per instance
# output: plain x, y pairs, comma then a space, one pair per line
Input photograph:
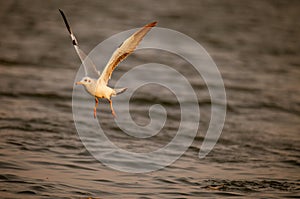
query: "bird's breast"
100, 91
103, 91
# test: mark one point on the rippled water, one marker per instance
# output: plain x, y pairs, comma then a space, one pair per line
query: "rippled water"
254, 44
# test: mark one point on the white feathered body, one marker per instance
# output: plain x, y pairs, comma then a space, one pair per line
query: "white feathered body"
99, 90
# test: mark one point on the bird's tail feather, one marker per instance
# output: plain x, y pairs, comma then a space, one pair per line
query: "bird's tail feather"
119, 90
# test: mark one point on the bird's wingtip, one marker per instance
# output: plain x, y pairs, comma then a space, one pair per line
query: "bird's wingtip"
152, 24
65, 20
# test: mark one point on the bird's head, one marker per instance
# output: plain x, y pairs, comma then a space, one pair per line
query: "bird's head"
85, 81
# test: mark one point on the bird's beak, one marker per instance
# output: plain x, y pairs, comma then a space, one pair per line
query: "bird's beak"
78, 83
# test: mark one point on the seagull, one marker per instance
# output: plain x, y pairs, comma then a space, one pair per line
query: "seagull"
94, 82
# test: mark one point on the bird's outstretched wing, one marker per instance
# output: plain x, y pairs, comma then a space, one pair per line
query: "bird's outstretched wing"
125, 49
89, 67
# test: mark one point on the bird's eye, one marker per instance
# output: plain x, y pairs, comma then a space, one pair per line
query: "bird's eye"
89, 80
85, 80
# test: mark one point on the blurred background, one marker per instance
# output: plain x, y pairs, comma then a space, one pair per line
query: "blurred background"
255, 45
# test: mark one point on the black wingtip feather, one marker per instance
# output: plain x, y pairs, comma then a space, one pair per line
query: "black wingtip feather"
65, 20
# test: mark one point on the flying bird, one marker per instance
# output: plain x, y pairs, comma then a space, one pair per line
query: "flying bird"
94, 82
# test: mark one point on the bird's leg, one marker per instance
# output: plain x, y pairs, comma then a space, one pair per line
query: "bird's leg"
95, 107
112, 109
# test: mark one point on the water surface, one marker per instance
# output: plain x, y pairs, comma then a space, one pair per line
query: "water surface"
254, 44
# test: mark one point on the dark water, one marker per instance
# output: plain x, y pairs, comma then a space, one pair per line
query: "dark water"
256, 47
